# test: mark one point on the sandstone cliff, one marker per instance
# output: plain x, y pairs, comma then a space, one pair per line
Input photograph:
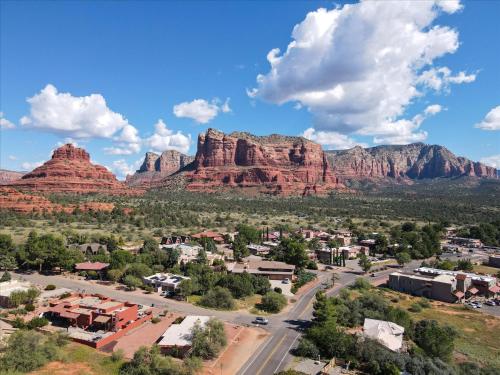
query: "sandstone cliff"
413, 161
273, 164
9, 176
70, 170
156, 167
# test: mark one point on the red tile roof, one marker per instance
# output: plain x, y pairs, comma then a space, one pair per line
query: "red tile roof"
91, 266
495, 289
473, 290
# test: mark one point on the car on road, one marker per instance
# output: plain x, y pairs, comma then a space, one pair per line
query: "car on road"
261, 320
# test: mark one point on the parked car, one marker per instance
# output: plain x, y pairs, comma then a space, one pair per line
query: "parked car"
261, 320
286, 281
490, 303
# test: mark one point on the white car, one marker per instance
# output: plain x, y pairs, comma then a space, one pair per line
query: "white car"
261, 320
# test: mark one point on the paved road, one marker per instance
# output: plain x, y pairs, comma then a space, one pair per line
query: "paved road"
285, 328
138, 297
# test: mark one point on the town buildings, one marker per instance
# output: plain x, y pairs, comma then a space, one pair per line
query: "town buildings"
96, 320
177, 338
271, 269
189, 252
164, 281
442, 285
217, 237
258, 250
467, 242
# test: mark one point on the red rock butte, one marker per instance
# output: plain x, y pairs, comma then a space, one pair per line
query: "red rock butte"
70, 171
273, 164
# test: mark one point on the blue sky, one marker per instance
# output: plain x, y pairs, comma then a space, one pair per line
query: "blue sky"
194, 65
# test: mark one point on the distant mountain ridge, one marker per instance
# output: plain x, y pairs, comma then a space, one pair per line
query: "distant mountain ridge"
414, 161
7, 176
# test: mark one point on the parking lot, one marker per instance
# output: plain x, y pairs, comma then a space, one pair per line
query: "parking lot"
285, 288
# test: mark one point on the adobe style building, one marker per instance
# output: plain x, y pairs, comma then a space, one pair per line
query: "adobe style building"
96, 320
442, 285
271, 269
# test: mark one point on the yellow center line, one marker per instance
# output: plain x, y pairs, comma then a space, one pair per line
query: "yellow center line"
270, 355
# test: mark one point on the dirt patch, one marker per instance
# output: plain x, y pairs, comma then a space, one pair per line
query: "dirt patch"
242, 343
61, 368
145, 335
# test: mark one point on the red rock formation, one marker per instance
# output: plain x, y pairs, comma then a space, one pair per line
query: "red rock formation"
9, 176
413, 161
156, 167
70, 170
14, 200
273, 164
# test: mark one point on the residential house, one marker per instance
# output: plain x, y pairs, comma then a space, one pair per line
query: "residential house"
177, 338
174, 240
271, 269
258, 249
89, 249
467, 242
217, 237
164, 281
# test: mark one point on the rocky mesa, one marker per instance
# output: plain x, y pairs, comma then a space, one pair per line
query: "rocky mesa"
156, 167
70, 171
414, 161
273, 164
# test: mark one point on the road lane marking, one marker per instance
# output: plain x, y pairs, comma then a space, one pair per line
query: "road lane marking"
270, 355
264, 345
287, 351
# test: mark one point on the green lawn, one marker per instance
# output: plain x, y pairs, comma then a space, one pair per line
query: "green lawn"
479, 333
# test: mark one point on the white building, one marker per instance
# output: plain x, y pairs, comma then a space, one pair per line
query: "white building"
164, 281
179, 335
386, 333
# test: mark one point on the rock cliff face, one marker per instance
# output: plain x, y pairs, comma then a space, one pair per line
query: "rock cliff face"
413, 161
70, 170
156, 167
273, 164
9, 176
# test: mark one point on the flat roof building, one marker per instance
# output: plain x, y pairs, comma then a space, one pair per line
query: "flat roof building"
271, 269
165, 281
178, 336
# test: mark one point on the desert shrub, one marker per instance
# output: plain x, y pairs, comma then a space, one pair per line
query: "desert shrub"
218, 298
278, 290
273, 302
50, 287
155, 320
415, 307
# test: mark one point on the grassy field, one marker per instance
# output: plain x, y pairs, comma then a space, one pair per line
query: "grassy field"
78, 359
479, 333
486, 270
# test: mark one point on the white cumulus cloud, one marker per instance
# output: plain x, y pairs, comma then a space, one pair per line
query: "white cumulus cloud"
492, 161
358, 67
332, 140
4, 123
73, 116
29, 166
201, 110
166, 139
121, 168
491, 120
